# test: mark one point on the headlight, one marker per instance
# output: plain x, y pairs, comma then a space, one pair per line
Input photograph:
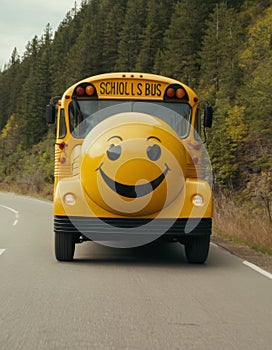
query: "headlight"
69, 199
197, 200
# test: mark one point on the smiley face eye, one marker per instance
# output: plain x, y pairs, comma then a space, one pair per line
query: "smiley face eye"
114, 152
153, 152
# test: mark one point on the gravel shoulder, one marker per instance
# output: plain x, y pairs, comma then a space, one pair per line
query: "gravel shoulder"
263, 261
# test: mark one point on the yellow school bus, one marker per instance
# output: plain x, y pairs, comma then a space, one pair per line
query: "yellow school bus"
129, 164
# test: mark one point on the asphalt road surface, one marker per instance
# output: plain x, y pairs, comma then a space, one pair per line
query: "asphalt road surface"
142, 298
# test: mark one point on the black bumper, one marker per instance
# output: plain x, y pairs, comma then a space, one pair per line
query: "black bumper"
103, 229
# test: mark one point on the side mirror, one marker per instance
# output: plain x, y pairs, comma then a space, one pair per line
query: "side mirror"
208, 116
50, 114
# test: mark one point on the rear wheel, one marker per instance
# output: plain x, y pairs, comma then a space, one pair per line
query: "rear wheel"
197, 249
64, 246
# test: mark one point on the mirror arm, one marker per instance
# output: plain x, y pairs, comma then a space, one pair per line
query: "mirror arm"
54, 100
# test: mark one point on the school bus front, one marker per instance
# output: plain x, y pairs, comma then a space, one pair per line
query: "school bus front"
128, 165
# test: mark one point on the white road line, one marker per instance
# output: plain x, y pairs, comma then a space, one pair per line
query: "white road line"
43, 201
250, 265
2, 251
16, 213
258, 269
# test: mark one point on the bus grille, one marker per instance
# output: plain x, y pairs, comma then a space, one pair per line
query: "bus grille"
62, 170
106, 228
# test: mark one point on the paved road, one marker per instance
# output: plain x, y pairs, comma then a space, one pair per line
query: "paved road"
144, 298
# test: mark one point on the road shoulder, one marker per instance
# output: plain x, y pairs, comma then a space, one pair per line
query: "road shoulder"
263, 261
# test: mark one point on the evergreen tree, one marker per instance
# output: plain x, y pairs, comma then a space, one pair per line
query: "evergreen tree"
9, 88
256, 61
179, 56
131, 36
35, 91
112, 31
65, 37
9, 138
3, 101
156, 24
220, 79
45, 63
220, 72
85, 56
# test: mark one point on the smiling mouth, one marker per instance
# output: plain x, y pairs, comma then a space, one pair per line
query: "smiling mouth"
133, 191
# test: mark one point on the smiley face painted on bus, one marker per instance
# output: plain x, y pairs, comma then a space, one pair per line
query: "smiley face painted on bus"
132, 168
133, 191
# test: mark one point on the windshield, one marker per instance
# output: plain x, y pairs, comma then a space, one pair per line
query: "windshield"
85, 114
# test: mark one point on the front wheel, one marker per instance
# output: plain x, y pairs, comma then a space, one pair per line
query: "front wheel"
64, 246
197, 249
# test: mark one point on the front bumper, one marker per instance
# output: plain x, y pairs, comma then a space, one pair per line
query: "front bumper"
115, 229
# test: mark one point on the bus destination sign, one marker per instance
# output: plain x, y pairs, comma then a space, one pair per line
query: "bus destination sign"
131, 89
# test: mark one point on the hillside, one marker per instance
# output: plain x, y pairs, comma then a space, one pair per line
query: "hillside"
222, 49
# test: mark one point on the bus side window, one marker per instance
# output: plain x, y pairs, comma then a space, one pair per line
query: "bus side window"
62, 125
197, 126
75, 117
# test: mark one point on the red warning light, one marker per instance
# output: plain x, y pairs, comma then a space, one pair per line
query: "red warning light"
170, 92
80, 91
62, 146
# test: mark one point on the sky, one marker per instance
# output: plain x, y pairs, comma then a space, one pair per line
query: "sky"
21, 20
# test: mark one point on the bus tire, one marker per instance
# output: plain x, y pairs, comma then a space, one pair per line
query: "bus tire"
64, 246
197, 249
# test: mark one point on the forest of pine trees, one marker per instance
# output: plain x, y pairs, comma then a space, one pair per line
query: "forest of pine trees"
222, 49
